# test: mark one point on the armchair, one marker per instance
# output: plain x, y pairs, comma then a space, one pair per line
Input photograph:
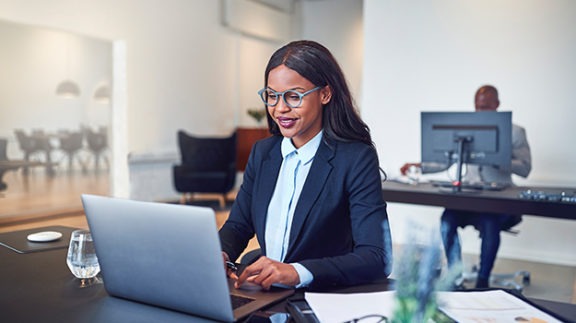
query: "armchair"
208, 165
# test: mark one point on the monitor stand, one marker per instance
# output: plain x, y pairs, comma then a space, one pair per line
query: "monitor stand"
457, 187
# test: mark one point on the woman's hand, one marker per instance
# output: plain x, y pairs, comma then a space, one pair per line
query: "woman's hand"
265, 272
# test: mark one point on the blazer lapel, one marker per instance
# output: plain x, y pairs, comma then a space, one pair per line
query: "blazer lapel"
319, 171
265, 188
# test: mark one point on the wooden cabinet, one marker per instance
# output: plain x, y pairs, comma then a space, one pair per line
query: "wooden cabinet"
246, 138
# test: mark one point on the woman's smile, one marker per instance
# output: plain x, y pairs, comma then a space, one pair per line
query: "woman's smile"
286, 122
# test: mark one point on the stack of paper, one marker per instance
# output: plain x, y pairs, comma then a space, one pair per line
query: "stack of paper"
482, 306
489, 306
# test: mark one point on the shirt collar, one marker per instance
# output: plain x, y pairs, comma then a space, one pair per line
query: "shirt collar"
305, 153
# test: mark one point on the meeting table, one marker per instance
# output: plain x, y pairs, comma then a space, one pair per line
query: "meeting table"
37, 286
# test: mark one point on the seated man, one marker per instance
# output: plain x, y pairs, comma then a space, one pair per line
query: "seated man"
489, 225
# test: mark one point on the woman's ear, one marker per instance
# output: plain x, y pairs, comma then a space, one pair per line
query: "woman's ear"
326, 95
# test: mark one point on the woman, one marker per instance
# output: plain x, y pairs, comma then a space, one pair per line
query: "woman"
311, 192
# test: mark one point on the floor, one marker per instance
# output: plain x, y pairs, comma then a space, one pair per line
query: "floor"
38, 195
38, 200
547, 281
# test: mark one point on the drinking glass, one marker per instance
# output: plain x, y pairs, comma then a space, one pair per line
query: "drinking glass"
414, 173
81, 258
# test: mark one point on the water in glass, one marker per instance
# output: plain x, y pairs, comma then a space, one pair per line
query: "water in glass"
414, 173
81, 258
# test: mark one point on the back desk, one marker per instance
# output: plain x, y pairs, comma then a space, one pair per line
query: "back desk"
505, 201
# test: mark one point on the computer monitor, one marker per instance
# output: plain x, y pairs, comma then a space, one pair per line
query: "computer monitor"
482, 138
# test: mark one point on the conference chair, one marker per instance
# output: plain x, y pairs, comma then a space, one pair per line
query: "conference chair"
31, 146
3, 157
97, 143
208, 165
3, 149
71, 143
43, 140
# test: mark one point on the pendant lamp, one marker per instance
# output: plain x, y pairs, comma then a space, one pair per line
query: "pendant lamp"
102, 94
68, 88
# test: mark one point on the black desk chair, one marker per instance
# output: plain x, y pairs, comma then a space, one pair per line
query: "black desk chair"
507, 280
208, 166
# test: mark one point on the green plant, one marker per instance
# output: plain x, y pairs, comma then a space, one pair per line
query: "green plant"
417, 281
257, 114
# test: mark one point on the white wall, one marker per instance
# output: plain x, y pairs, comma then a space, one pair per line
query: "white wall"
182, 65
338, 25
433, 55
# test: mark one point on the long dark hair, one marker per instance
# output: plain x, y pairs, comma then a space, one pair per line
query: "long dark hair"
314, 62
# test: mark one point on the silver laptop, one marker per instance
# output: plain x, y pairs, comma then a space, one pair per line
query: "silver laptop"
167, 255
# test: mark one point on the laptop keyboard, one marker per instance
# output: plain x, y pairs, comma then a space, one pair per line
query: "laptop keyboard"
238, 301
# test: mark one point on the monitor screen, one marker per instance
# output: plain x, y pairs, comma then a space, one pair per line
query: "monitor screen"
485, 138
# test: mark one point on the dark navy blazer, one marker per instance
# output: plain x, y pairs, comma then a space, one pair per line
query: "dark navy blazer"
340, 230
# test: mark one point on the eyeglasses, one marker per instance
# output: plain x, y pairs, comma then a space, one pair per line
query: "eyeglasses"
292, 98
376, 318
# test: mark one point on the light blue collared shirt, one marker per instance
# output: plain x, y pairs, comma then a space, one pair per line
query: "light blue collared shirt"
293, 172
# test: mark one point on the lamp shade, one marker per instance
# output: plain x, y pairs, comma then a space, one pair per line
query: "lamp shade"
68, 89
102, 94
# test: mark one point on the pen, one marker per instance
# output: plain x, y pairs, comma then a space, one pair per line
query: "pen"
232, 266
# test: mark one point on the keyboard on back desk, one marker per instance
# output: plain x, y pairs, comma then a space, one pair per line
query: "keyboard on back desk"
560, 196
481, 186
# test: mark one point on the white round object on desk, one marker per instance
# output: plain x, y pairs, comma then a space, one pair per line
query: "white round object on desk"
44, 236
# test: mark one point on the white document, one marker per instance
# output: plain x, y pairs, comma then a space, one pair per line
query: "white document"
477, 307
489, 306
345, 307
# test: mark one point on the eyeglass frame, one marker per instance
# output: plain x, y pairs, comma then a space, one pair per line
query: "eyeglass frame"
300, 95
